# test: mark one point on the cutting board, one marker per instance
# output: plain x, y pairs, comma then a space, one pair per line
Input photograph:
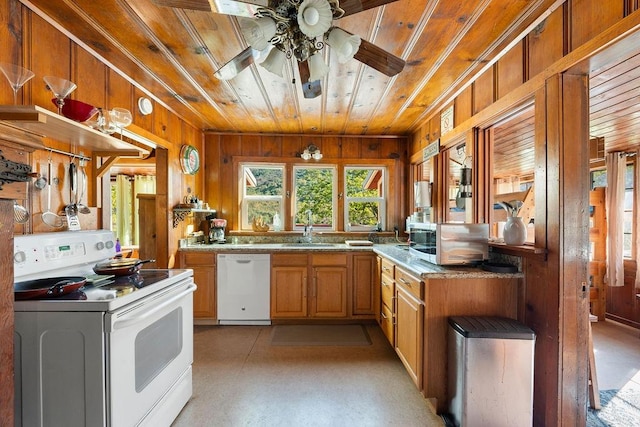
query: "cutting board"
358, 242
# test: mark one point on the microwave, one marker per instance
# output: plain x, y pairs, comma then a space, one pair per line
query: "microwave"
449, 243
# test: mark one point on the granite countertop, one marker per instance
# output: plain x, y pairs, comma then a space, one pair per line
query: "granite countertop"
399, 254
275, 247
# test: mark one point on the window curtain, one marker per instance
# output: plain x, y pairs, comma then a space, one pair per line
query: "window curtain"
142, 184
636, 210
123, 209
616, 167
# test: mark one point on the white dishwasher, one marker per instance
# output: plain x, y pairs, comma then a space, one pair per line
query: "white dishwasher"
243, 285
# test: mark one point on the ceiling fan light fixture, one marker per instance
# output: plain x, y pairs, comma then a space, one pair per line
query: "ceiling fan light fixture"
345, 44
314, 17
258, 32
317, 67
274, 62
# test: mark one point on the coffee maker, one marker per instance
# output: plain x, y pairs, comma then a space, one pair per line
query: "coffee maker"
216, 232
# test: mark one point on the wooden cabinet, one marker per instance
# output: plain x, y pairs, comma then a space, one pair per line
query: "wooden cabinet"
288, 291
386, 319
147, 224
204, 276
409, 324
289, 272
329, 286
323, 285
414, 315
364, 279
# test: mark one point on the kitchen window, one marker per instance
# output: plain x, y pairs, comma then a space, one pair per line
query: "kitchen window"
262, 192
340, 197
599, 179
364, 204
314, 189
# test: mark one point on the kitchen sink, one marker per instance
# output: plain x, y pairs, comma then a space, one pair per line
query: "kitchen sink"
307, 244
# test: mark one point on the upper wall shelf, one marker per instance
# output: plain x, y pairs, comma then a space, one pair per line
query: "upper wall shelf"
44, 123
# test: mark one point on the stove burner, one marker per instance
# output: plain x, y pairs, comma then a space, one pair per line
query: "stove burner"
124, 285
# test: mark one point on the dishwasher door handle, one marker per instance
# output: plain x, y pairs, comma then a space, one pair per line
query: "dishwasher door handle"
243, 261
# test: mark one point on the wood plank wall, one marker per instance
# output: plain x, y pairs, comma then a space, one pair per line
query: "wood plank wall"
220, 150
39, 46
553, 298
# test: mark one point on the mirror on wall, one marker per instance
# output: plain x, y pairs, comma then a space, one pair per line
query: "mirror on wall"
512, 175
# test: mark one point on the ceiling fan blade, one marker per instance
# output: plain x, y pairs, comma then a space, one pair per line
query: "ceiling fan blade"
247, 8
309, 89
354, 6
378, 58
235, 65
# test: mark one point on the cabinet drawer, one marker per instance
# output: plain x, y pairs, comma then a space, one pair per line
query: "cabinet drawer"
288, 259
386, 323
387, 289
199, 258
387, 267
328, 259
409, 283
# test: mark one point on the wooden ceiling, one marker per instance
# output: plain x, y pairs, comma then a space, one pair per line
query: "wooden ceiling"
173, 53
614, 115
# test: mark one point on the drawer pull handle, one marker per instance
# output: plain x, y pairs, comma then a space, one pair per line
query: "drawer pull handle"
383, 316
405, 282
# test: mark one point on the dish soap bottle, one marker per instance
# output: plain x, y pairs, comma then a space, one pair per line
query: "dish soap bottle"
277, 225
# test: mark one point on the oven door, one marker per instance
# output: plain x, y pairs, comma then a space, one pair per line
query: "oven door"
150, 351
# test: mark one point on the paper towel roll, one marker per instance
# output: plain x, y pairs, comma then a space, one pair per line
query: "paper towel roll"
422, 194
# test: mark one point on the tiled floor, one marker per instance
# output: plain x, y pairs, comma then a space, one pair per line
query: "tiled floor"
617, 353
240, 379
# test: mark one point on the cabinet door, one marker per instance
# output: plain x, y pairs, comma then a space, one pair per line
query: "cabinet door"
329, 292
409, 327
204, 275
288, 292
364, 284
204, 298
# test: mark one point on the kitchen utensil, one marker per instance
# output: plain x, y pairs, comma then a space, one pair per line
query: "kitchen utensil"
20, 213
82, 208
40, 182
47, 288
48, 217
76, 110
17, 77
61, 88
71, 210
121, 266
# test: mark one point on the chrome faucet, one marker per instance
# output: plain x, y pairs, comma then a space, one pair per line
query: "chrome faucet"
308, 229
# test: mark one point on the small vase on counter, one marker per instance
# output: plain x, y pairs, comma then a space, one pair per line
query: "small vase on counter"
515, 231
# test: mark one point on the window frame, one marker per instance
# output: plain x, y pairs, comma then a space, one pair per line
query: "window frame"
381, 200
334, 195
244, 198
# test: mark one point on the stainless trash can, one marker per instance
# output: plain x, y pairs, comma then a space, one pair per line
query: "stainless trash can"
490, 372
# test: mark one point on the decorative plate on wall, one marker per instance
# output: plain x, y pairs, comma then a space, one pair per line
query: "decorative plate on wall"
189, 159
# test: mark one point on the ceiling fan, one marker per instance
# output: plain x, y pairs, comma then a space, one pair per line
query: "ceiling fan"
296, 29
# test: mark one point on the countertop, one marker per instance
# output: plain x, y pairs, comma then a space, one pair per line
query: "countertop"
426, 270
395, 252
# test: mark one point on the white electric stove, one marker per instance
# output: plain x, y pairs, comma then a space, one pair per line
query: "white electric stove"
117, 352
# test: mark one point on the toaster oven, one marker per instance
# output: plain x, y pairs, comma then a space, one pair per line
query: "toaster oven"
449, 243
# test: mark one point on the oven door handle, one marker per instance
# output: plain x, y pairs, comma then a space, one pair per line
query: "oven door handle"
124, 323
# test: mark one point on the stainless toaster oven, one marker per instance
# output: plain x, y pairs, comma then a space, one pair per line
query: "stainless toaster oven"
449, 243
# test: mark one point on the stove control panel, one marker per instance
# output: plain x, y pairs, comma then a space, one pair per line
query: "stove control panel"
60, 254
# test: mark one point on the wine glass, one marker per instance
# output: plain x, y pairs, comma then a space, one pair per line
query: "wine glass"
61, 88
17, 77
121, 117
